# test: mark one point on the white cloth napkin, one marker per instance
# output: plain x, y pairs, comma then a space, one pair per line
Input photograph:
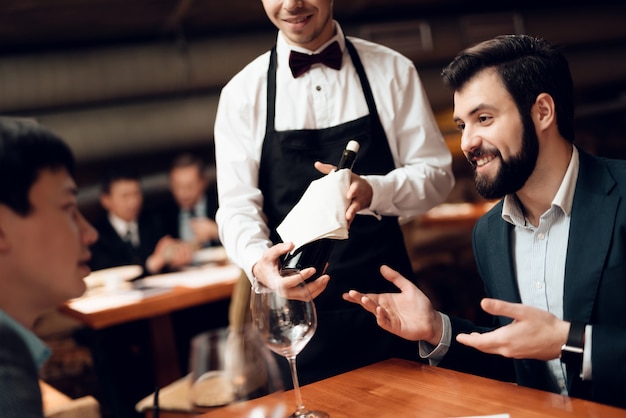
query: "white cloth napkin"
320, 213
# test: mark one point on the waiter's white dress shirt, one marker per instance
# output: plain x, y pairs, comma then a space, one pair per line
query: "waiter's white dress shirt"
323, 98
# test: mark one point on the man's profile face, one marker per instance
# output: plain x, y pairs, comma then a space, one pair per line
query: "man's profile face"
48, 249
501, 146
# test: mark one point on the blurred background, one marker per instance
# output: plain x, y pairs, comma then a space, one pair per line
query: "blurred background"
139, 81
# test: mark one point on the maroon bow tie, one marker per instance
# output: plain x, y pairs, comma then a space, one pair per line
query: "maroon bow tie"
300, 63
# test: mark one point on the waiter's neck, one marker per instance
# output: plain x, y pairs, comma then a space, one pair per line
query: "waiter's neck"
314, 43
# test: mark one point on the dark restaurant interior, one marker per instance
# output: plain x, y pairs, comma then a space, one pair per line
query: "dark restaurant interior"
138, 81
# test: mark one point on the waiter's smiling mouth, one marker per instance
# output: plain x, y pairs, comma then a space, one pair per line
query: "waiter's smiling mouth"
297, 20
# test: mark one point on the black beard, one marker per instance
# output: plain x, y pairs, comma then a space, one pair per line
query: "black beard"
513, 173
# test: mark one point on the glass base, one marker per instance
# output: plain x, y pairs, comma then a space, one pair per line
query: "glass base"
309, 414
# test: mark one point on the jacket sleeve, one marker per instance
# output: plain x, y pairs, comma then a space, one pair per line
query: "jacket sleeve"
20, 395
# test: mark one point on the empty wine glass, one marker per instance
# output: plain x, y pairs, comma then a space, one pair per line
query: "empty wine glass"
286, 324
228, 367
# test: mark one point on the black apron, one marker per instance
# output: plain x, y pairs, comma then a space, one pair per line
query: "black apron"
347, 336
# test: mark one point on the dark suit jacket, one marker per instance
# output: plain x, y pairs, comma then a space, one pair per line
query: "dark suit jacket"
111, 251
170, 213
595, 284
20, 395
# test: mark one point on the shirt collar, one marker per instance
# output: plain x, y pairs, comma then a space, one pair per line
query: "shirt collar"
121, 226
198, 208
283, 48
37, 348
512, 211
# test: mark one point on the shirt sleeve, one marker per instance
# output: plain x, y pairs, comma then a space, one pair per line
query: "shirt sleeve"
238, 144
435, 354
585, 373
423, 176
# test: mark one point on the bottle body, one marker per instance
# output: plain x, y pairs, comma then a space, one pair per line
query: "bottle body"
316, 253
313, 254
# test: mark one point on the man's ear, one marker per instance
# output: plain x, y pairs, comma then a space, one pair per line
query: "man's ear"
544, 113
105, 201
4, 219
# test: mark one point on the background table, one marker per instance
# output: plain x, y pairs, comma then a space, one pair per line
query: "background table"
157, 310
400, 388
139, 343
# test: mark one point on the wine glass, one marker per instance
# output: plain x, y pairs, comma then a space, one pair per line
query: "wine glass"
286, 325
231, 366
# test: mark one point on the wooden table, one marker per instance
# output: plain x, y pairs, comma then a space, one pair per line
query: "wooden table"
157, 310
399, 388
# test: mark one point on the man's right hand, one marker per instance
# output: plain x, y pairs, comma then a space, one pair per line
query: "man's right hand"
408, 314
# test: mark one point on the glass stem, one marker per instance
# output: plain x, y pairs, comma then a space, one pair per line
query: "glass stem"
296, 386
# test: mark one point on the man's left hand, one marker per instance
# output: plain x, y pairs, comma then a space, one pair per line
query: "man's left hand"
533, 334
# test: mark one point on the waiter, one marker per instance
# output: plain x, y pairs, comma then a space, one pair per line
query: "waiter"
277, 118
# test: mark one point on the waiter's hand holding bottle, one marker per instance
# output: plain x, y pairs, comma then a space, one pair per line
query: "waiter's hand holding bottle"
276, 268
267, 273
360, 192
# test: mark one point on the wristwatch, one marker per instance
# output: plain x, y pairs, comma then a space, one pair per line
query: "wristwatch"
572, 350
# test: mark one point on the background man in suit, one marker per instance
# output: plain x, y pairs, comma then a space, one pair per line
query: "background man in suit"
129, 235
44, 253
190, 215
551, 252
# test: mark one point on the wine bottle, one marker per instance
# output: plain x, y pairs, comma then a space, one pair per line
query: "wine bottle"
316, 253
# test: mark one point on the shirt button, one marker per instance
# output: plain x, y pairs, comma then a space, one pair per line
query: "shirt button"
318, 88
540, 236
539, 285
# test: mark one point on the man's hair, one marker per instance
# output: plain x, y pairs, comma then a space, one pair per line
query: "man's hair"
527, 66
188, 159
117, 173
26, 149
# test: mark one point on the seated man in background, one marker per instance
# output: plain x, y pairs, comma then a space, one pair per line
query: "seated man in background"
44, 253
122, 353
190, 214
130, 235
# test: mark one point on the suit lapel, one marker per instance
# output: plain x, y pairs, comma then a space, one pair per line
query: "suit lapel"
501, 256
591, 226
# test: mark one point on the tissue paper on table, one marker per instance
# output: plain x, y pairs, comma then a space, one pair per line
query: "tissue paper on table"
320, 213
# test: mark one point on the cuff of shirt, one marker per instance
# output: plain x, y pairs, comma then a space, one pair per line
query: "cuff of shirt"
435, 354
585, 372
252, 256
381, 193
